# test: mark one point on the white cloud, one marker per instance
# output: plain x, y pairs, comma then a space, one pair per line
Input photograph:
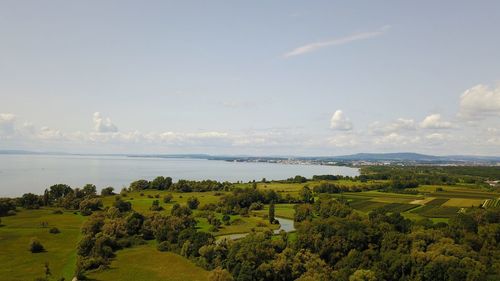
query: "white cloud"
7, 124
434, 121
396, 139
47, 133
399, 125
311, 47
340, 122
346, 140
480, 101
103, 125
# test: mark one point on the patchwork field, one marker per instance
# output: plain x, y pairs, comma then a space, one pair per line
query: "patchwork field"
146, 263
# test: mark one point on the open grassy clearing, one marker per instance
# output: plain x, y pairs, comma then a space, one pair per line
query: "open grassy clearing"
436, 211
281, 210
238, 224
463, 202
143, 203
18, 263
147, 263
436, 202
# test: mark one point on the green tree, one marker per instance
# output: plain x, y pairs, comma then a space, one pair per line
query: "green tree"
306, 195
193, 203
220, 274
271, 213
107, 191
36, 246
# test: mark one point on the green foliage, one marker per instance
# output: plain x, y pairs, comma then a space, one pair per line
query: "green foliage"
107, 191
6, 205
193, 203
167, 198
54, 230
36, 246
271, 214
139, 185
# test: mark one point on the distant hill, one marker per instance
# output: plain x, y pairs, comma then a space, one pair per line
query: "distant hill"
406, 157
414, 157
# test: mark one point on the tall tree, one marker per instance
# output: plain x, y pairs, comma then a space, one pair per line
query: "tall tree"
271, 212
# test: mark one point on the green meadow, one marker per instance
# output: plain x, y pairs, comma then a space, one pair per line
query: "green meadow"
144, 262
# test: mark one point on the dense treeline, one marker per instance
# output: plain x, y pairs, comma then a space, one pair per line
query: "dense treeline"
335, 243
431, 174
165, 183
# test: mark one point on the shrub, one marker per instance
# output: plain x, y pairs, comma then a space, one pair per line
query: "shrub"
164, 246
11, 213
167, 198
107, 191
193, 203
36, 246
54, 230
156, 206
57, 212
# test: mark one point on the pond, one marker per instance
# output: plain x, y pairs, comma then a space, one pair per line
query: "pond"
285, 224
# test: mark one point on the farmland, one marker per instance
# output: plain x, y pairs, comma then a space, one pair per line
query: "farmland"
436, 202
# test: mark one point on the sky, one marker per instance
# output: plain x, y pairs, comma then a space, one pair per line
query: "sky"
250, 77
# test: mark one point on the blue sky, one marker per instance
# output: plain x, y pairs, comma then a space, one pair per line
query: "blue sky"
250, 77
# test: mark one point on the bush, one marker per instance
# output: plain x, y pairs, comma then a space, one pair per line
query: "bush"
156, 206
54, 230
164, 246
57, 212
193, 203
11, 213
107, 191
36, 246
167, 198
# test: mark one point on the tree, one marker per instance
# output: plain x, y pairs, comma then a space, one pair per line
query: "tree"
306, 195
226, 219
156, 206
36, 246
363, 275
139, 185
193, 203
271, 213
161, 183
167, 198
121, 205
107, 191
58, 191
89, 190
87, 206
220, 274
30, 201
54, 230
6, 205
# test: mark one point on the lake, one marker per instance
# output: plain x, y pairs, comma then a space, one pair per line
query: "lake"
33, 173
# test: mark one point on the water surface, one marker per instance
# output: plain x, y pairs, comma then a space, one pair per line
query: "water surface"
33, 173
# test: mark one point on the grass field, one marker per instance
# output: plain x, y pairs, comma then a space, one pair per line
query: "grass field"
280, 210
144, 202
146, 263
463, 202
18, 263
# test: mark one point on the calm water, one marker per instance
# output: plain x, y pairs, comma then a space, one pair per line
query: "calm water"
285, 224
33, 173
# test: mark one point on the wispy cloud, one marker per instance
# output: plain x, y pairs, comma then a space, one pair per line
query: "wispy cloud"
312, 47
